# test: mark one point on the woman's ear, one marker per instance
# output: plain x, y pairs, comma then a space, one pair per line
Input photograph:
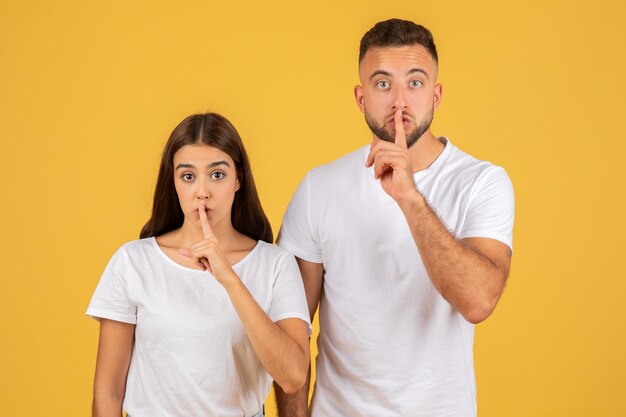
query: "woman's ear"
237, 185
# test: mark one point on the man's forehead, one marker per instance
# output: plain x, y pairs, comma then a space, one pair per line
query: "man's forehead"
396, 58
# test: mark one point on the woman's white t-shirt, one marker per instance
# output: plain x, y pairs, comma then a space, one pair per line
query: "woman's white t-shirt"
191, 355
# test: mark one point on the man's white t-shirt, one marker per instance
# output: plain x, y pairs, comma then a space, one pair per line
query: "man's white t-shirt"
389, 343
191, 355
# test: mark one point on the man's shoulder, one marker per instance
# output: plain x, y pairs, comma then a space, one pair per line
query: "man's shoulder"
468, 167
348, 163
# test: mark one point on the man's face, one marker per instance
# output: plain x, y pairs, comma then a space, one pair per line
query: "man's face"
398, 77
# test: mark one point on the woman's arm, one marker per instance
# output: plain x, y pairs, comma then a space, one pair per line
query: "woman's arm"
282, 347
114, 349
296, 404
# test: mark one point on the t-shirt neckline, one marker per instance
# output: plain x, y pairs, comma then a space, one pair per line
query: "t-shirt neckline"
447, 148
435, 164
177, 265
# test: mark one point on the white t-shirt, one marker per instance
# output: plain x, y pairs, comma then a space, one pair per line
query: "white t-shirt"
389, 343
191, 355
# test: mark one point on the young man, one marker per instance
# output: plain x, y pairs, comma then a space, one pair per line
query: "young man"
405, 243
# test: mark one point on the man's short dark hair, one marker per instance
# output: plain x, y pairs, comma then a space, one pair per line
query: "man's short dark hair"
397, 32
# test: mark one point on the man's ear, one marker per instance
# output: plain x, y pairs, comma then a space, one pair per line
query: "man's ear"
359, 97
437, 95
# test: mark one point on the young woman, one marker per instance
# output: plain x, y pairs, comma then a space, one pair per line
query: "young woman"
200, 314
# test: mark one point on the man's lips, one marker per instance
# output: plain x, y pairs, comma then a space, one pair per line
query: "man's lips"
405, 119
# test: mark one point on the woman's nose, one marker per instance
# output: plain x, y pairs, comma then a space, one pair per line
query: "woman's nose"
203, 192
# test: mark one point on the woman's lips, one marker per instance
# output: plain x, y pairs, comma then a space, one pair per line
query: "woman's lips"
206, 209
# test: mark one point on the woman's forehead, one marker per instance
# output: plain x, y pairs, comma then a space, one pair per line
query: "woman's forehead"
201, 154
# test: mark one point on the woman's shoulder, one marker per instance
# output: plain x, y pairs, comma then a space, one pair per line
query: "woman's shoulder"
272, 252
138, 244
135, 250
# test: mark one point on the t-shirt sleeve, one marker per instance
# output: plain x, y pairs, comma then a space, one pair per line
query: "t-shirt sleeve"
111, 299
296, 232
288, 297
492, 208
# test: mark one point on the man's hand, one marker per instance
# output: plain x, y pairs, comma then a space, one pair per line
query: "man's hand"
392, 164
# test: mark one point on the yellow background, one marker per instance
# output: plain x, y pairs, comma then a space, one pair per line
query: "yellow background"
89, 92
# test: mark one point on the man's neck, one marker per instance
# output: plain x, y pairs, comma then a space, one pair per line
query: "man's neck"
425, 151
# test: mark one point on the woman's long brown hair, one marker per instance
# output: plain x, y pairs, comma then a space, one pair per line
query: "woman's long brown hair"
211, 129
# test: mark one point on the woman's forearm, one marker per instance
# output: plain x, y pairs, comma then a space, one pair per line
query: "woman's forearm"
285, 360
114, 352
106, 405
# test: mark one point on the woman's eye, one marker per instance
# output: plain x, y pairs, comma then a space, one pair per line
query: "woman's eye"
187, 177
382, 84
217, 175
416, 83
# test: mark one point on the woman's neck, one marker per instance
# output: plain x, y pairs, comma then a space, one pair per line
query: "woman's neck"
223, 231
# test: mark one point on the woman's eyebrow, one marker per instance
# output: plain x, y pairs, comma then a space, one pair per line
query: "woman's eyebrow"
185, 166
211, 165
216, 163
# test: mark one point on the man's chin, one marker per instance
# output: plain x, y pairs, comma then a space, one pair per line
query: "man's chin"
386, 138
390, 136
381, 132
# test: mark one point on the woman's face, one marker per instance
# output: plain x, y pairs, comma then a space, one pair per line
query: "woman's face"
204, 173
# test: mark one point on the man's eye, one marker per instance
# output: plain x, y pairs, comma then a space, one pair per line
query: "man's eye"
217, 175
416, 83
187, 177
382, 84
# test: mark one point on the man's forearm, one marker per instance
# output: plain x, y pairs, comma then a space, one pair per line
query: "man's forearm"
296, 404
467, 279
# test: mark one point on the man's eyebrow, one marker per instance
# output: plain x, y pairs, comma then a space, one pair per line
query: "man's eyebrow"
414, 70
380, 72
388, 74
211, 165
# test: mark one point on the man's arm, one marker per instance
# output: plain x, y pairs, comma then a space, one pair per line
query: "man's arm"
296, 404
470, 273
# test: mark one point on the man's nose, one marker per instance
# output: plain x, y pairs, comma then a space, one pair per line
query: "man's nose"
399, 98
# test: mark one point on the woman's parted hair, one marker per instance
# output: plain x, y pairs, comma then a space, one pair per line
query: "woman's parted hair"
211, 129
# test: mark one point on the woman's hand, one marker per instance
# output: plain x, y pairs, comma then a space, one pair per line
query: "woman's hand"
208, 255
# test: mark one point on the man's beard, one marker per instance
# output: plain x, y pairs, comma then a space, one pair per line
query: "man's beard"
411, 137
